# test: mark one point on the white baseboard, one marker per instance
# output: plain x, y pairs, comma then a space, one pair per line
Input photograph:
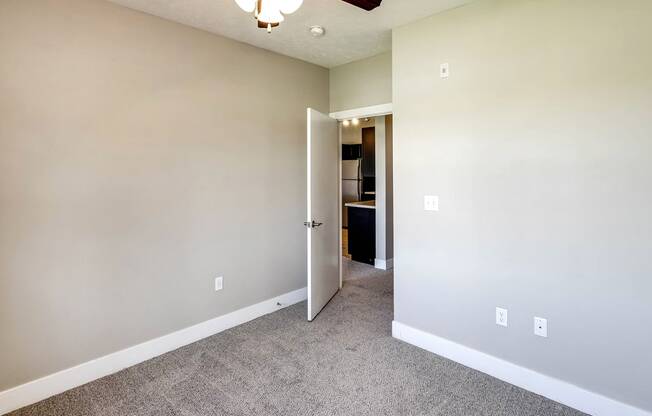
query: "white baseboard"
384, 264
552, 388
51, 385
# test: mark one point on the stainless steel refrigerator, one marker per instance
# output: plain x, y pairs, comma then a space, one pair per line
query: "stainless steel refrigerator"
351, 185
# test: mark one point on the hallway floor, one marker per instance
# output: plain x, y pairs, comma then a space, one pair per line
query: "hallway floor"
344, 363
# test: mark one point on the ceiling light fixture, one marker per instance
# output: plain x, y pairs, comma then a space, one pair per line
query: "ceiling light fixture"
355, 121
269, 13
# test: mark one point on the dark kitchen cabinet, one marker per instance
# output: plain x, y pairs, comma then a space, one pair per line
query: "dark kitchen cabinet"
351, 151
362, 234
368, 163
369, 151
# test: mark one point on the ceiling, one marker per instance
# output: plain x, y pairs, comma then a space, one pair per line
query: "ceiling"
351, 33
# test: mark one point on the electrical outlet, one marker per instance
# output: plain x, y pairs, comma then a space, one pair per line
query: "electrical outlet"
501, 316
431, 203
541, 327
219, 283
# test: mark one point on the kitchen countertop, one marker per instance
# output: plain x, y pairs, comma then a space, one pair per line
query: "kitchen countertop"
362, 204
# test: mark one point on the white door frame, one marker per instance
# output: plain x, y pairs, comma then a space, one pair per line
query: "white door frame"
362, 112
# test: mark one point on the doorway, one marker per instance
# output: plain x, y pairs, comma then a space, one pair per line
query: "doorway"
368, 214
366, 194
358, 180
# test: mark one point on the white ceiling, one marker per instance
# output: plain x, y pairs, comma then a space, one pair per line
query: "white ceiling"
351, 33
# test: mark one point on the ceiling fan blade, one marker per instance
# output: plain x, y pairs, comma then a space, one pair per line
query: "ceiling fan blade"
367, 5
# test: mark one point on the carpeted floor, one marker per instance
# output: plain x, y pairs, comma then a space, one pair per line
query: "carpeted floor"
344, 363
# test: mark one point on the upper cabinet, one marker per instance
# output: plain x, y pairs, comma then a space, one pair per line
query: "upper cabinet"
369, 152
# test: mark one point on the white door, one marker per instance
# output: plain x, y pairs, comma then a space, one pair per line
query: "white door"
323, 211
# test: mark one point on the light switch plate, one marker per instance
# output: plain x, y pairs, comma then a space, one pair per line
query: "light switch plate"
501, 316
219, 283
444, 70
431, 203
541, 327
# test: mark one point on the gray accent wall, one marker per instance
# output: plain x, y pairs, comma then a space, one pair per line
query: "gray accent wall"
539, 146
139, 160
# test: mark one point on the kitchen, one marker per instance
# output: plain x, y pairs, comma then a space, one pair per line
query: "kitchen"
367, 191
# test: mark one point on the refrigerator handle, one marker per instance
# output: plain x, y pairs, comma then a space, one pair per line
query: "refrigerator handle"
359, 180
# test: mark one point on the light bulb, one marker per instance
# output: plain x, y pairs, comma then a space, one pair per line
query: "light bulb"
289, 6
247, 5
356, 121
270, 12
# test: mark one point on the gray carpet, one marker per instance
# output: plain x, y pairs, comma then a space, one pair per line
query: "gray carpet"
344, 363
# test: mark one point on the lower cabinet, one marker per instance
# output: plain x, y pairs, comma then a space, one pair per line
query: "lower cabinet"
362, 234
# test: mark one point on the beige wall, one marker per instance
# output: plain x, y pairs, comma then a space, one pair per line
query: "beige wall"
139, 159
353, 134
361, 83
389, 186
539, 146
384, 191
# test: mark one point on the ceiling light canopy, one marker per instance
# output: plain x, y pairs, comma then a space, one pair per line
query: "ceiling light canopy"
269, 13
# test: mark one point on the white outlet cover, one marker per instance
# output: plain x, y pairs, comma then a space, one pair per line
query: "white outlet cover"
431, 203
444, 70
219, 283
541, 327
501, 316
